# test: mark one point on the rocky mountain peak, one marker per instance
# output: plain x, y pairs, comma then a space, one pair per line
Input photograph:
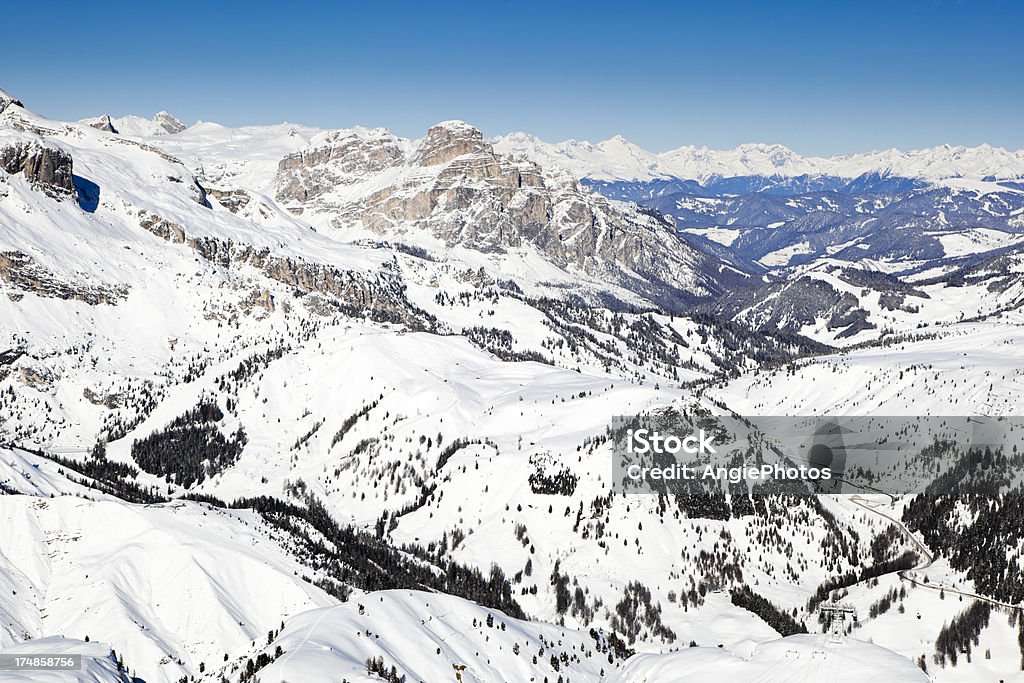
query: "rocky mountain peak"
168, 123
454, 187
102, 123
448, 140
7, 100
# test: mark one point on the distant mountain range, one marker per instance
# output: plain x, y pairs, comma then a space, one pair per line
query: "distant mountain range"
617, 159
708, 225
162, 123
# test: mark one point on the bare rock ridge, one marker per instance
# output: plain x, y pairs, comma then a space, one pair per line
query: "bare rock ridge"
47, 167
381, 296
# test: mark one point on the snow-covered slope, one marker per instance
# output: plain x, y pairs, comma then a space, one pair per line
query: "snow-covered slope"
162, 123
612, 159
431, 637
961, 369
173, 585
416, 396
796, 658
99, 664
245, 157
833, 302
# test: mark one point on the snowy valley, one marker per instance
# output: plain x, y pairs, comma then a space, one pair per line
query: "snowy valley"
288, 404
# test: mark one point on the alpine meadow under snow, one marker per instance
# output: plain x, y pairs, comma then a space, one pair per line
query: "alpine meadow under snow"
288, 404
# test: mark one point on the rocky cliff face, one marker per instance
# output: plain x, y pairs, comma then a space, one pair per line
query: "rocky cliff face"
448, 140
381, 296
453, 186
334, 159
23, 274
48, 167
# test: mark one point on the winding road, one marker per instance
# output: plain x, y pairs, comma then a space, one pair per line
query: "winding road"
906, 574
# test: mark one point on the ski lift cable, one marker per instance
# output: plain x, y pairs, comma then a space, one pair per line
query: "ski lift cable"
773, 673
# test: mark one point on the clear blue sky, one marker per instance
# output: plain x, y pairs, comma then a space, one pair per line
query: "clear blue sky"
821, 77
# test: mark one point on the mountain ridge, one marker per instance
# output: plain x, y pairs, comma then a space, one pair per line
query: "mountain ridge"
616, 159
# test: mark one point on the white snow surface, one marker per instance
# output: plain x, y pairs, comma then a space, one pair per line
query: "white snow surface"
180, 581
99, 664
175, 585
796, 658
618, 159
426, 637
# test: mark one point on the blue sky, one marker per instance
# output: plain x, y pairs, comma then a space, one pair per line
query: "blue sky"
821, 77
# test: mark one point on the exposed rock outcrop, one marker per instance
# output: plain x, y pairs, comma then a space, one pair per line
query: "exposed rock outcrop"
337, 158
162, 228
241, 202
380, 296
47, 167
453, 185
168, 123
448, 140
234, 200
23, 273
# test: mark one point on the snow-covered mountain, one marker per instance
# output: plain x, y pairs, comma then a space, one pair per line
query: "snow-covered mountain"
616, 159
452, 190
168, 584
286, 404
162, 123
